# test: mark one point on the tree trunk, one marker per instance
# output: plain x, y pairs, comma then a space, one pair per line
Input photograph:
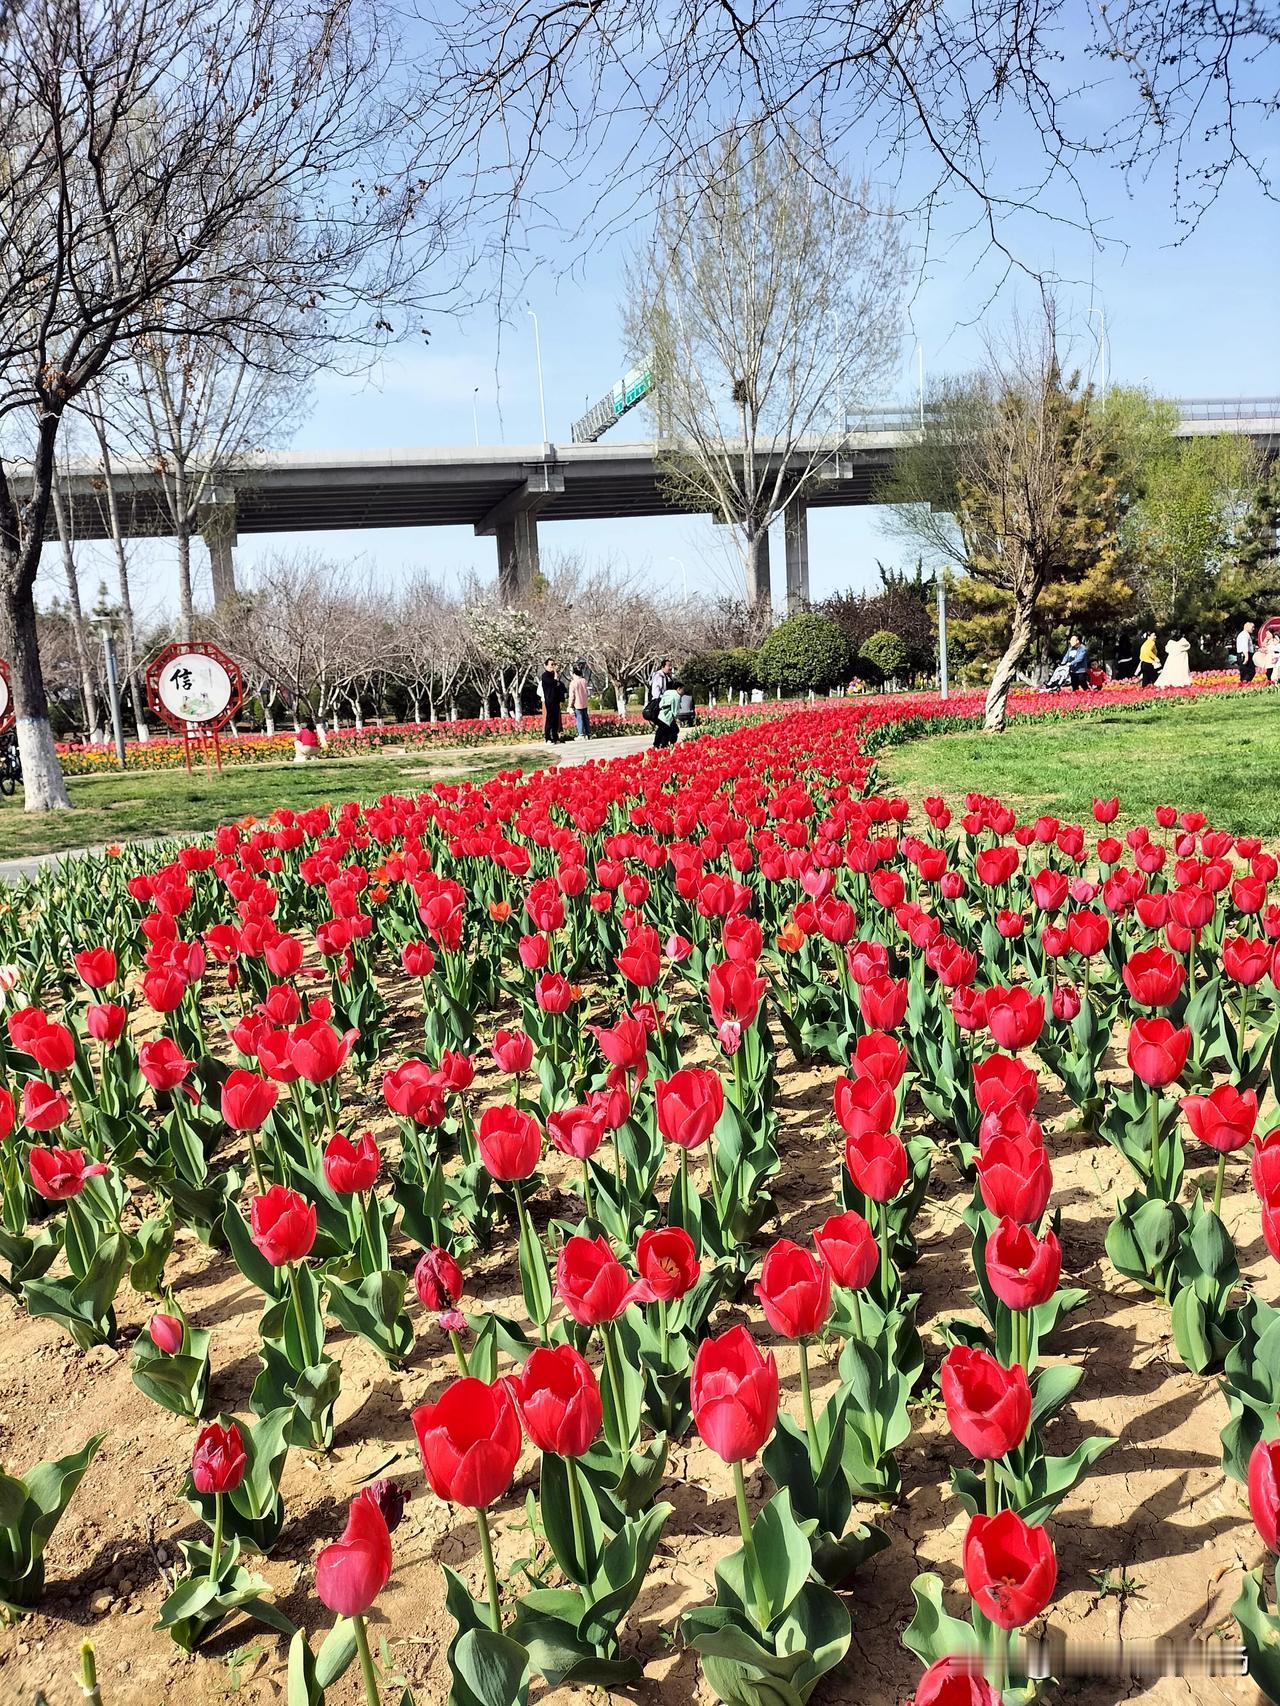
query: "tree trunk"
755, 552
43, 787
88, 690
1019, 640
182, 533
620, 698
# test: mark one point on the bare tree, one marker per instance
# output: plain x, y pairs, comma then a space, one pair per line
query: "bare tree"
768, 298
160, 156
1011, 481
997, 108
75, 620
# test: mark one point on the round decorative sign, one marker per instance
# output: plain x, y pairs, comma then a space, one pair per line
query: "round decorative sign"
6, 699
194, 687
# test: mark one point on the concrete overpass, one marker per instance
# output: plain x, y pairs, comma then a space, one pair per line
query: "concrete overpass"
505, 491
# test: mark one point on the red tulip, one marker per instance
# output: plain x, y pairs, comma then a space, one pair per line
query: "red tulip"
282, 1225
689, 1105
1022, 1270
469, 1440
988, 1406
734, 1394
1158, 1051
559, 1401
626, 1045
1264, 1491
437, 1279
96, 967
848, 1247
1088, 933
105, 1022
1010, 1568
667, 1262
1106, 811
577, 1131
1224, 1119
166, 1333
8, 1113
640, 961
218, 1462
1015, 1178
591, 1282
864, 1104
418, 959
553, 993
60, 1173
163, 1064
415, 1092
879, 1057
1245, 960
1015, 1017
349, 1168
883, 1002
955, 1682
733, 994
53, 1048
317, 1052
1002, 1080
44, 1108
877, 1163
247, 1099
794, 1289
513, 1051
1154, 977
352, 1572
509, 1141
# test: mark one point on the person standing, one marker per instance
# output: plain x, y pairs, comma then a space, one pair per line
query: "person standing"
658, 681
579, 695
1177, 665
552, 689
1076, 658
1149, 661
667, 732
1244, 652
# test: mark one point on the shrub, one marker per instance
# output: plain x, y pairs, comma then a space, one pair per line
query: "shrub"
884, 655
806, 652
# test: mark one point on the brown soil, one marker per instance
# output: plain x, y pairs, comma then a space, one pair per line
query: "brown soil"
1156, 1507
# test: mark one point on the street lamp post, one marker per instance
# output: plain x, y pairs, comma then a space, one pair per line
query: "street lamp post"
920, 359
113, 691
542, 395
684, 577
942, 635
1102, 347
475, 414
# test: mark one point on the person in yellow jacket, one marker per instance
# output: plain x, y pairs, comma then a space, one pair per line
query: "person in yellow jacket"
1149, 661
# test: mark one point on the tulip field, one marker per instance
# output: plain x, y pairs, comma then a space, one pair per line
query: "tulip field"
689, 1227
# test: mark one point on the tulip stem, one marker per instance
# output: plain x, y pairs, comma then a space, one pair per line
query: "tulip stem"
749, 1548
89, 1675
579, 1527
257, 1165
490, 1574
463, 1366
664, 1327
993, 1497
623, 1440
1022, 1325
1155, 1141
857, 1314
1218, 1182
366, 1659
303, 1336
586, 1188
1244, 1022
531, 1243
215, 1551
806, 1399
886, 1260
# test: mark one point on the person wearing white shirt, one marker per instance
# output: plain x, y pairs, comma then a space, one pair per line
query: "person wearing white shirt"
660, 679
1244, 652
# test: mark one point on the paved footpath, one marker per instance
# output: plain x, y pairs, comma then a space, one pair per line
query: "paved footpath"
587, 751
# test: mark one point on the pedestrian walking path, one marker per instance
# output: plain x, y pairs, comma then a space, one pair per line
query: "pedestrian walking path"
612, 746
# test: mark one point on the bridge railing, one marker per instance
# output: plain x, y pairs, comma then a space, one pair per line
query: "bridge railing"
1233, 412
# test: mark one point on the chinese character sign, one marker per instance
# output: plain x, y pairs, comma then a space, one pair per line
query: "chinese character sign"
194, 687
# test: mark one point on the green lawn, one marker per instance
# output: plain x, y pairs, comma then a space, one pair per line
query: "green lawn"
137, 804
1219, 755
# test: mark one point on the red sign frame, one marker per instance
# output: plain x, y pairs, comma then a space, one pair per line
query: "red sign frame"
8, 717
194, 731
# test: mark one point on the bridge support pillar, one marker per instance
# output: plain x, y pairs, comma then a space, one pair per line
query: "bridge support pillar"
217, 520
517, 556
796, 522
514, 522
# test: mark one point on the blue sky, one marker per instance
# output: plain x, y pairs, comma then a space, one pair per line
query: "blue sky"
1190, 319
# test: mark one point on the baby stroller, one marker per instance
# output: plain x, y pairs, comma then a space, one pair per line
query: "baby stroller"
1060, 680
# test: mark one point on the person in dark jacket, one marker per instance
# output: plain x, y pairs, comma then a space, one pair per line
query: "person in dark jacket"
552, 689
